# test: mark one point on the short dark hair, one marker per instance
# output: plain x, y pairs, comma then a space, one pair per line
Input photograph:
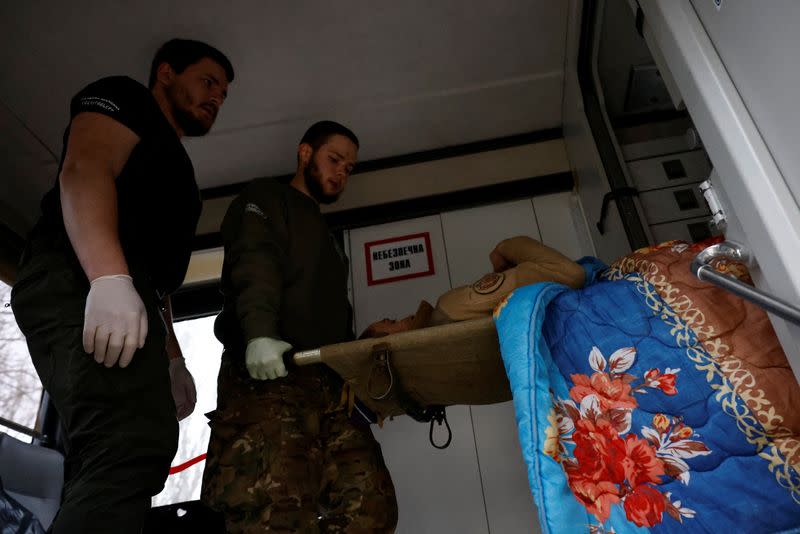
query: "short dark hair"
180, 53
323, 130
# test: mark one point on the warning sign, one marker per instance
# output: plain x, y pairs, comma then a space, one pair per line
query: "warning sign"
399, 258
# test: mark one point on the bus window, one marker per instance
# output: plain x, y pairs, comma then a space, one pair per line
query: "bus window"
202, 352
20, 388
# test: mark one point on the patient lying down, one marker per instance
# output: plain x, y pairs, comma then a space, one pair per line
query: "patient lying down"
516, 262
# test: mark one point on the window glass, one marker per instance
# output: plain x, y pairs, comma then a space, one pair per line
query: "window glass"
20, 388
202, 352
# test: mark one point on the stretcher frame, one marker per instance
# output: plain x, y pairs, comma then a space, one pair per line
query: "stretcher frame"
409, 372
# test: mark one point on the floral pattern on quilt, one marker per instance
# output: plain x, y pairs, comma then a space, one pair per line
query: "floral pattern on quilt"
606, 463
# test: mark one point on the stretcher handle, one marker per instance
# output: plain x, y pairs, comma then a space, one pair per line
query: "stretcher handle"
702, 269
314, 356
307, 357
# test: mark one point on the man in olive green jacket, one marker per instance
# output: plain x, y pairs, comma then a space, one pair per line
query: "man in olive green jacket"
284, 455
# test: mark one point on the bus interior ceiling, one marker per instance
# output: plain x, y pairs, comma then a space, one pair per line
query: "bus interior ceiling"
411, 79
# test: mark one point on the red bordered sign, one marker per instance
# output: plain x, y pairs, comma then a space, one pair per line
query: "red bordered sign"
399, 258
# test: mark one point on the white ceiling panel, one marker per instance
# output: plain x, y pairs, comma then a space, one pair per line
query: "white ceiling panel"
406, 76
390, 129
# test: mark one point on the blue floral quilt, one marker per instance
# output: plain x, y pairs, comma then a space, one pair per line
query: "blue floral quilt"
627, 420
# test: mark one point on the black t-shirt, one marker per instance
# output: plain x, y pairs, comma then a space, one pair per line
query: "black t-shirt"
157, 196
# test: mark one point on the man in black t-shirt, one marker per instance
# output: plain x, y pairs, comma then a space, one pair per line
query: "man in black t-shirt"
92, 296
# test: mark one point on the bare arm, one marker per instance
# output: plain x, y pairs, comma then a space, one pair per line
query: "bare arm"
97, 151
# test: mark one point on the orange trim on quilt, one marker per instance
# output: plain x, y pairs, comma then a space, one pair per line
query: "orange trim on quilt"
776, 440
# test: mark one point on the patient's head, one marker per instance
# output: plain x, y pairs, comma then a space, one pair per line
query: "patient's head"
385, 327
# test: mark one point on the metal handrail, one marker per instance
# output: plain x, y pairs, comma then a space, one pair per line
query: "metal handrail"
20, 428
702, 269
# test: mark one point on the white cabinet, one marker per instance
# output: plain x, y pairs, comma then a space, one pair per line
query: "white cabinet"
673, 203
669, 170
667, 184
732, 67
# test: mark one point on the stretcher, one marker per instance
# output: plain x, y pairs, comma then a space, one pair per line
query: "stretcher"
419, 372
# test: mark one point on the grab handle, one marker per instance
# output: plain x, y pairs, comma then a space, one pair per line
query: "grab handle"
702, 269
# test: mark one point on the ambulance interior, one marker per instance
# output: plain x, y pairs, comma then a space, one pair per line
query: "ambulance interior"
588, 125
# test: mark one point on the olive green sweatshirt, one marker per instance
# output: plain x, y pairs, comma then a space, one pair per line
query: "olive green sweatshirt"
284, 276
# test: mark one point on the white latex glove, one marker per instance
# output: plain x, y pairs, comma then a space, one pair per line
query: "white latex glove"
264, 358
183, 389
115, 322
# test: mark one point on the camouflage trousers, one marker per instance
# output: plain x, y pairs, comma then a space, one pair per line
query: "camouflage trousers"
285, 457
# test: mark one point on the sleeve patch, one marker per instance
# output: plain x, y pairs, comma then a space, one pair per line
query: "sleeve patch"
97, 102
489, 283
253, 208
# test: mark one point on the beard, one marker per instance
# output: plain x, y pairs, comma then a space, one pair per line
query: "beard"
313, 179
186, 120
191, 125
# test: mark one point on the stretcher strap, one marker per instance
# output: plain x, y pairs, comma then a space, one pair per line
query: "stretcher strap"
440, 416
382, 365
186, 465
350, 403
